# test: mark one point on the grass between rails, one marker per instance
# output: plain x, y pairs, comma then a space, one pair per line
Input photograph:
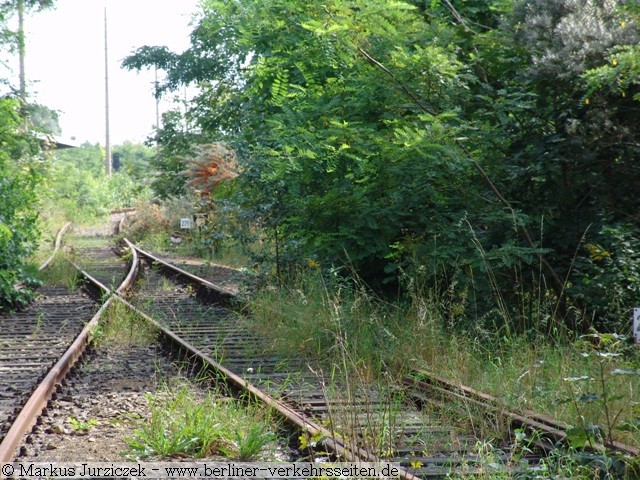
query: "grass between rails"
61, 272
51, 221
160, 243
592, 383
184, 420
188, 423
121, 327
48, 232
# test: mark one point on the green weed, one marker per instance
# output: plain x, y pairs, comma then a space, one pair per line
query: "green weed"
62, 272
122, 327
81, 425
201, 425
600, 399
40, 318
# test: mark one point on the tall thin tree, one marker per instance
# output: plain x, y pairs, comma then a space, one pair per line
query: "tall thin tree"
107, 159
21, 54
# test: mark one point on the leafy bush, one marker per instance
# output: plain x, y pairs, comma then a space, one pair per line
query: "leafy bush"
20, 175
148, 222
77, 185
400, 136
607, 276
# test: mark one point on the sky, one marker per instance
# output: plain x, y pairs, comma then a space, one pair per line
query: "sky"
65, 63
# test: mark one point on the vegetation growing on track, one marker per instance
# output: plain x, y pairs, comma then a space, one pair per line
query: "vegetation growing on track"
61, 272
120, 327
586, 381
474, 172
186, 422
478, 173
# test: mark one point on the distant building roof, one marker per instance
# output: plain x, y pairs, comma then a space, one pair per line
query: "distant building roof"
49, 142
60, 143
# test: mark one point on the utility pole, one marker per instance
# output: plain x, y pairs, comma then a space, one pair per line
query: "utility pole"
107, 159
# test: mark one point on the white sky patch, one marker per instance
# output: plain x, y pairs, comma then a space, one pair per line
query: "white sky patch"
65, 63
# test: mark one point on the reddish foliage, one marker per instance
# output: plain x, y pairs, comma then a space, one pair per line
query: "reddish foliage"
213, 164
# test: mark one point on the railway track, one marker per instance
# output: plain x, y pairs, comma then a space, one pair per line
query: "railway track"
370, 423
39, 345
356, 423
32, 341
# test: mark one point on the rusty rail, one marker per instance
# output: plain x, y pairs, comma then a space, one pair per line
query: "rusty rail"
56, 246
543, 425
40, 397
128, 212
417, 387
303, 422
548, 427
219, 293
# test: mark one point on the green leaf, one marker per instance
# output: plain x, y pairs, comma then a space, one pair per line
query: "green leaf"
5, 233
579, 437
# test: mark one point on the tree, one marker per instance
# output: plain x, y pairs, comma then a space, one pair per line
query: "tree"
426, 140
572, 161
345, 119
20, 173
19, 178
135, 160
16, 39
43, 119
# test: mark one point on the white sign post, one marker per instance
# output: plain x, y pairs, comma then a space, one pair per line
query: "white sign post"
636, 325
186, 223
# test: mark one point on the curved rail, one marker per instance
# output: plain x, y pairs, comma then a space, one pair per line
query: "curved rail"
217, 292
128, 212
301, 421
56, 246
549, 430
40, 397
131, 276
416, 386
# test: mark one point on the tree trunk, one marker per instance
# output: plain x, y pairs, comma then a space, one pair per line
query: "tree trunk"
21, 54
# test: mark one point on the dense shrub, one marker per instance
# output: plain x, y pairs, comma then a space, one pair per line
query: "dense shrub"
20, 175
473, 149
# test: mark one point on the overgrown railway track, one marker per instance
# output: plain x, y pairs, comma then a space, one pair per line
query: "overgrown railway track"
39, 345
360, 423
356, 423
367, 422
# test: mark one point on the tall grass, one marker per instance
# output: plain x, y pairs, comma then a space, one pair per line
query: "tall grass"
61, 272
345, 327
